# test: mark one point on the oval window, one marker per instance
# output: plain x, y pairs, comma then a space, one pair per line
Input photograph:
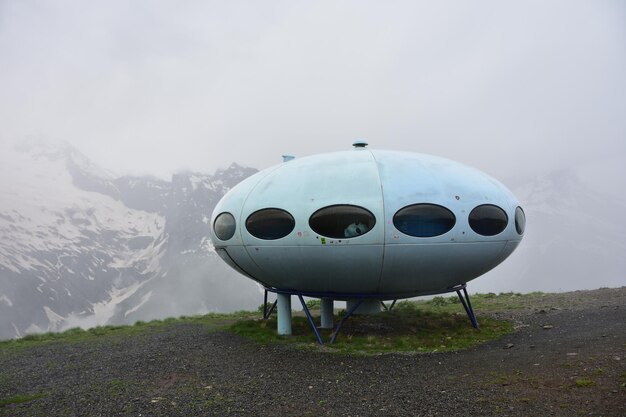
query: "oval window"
224, 226
520, 220
342, 221
270, 223
424, 220
488, 220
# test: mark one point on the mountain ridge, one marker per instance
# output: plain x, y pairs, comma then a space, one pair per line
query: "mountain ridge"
82, 247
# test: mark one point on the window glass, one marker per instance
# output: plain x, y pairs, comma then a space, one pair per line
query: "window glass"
520, 220
424, 220
488, 220
270, 224
342, 221
224, 226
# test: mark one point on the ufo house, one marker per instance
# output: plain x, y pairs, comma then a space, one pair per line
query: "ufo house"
365, 226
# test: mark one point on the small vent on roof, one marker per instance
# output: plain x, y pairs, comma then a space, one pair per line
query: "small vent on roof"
359, 144
287, 158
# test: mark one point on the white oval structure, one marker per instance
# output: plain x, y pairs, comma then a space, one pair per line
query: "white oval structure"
366, 222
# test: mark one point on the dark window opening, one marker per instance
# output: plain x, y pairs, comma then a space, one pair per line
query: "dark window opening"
520, 220
424, 220
224, 226
270, 224
342, 221
488, 220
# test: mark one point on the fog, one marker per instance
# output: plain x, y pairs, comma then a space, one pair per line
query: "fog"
519, 90
153, 87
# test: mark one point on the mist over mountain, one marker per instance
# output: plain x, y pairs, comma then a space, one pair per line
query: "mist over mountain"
573, 239
80, 246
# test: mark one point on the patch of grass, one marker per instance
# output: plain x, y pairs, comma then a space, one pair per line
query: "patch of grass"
512, 378
498, 378
217, 400
265, 306
214, 321
71, 335
485, 302
405, 329
117, 387
442, 302
18, 399
584, 382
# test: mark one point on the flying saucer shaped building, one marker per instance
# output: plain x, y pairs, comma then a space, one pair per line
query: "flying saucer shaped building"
381, 225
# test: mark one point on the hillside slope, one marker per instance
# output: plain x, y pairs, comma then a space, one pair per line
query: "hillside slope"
80, 246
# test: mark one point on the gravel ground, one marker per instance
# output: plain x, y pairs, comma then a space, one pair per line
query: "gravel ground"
183, 370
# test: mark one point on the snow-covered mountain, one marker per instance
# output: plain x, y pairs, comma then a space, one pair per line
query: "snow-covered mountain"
79, 246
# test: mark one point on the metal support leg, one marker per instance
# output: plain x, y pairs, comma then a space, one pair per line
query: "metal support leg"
348, 314
390, 307
267, 313
467, 306
271, 310
311, 322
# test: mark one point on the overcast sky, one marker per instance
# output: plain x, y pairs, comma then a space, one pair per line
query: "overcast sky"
159, 86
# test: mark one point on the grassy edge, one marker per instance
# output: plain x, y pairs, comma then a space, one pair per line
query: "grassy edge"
213, 321
19, 399
218, 321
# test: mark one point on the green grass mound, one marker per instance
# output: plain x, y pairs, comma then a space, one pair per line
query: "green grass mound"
407, 328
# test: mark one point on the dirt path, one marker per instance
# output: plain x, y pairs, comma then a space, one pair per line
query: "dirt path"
567, 358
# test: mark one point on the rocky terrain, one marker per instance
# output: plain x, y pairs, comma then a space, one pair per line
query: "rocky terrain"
567, 357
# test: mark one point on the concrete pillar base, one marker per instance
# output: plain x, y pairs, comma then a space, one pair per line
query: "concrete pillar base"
284, 315
326, 313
